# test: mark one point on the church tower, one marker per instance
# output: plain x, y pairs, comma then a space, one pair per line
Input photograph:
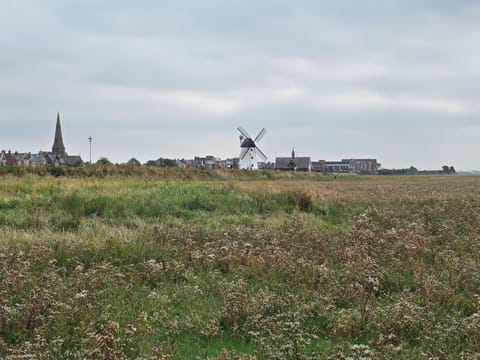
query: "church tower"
58, 148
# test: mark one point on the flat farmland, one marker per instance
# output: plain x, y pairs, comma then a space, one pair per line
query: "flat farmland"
189, 265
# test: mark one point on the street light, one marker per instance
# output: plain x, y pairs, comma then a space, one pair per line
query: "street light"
90, 141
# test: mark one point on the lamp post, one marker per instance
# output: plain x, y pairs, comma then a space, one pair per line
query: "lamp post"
90, 141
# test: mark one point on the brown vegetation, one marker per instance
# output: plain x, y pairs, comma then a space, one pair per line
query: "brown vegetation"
299, 267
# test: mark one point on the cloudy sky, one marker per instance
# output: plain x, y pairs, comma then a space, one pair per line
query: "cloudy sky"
397, 80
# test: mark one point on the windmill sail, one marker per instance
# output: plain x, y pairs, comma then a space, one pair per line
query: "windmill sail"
244, 132
243, 152
262, 155
260, 135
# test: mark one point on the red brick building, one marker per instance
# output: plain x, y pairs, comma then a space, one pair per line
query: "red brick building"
354, 166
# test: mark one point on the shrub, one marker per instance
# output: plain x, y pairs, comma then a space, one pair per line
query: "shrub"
301, 199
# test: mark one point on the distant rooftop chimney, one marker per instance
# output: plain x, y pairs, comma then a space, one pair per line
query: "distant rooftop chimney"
58, 147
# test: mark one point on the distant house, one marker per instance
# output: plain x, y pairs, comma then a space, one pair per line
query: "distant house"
293, 163
10, 159
38, 159
161, 162
189, 163
3, 160
55, 160
181, 164
23, 159
221, 164
134, 162
363, 166
318, 166
297, 164
232, 163
20, 158
262, 165
208, 162
285, 164
73, 160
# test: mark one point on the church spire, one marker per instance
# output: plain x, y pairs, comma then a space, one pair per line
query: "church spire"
58, 147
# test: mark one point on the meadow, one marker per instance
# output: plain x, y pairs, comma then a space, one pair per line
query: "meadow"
184, 264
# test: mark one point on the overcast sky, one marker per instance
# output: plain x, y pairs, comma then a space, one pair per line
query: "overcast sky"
397, 80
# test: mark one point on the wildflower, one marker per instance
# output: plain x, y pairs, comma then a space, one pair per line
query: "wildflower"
82, 295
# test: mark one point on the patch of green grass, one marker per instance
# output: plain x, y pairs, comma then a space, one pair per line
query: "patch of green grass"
197, 346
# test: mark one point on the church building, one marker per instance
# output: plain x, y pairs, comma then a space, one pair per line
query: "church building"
58, 156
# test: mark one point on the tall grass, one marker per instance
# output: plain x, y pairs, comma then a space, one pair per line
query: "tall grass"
235, 269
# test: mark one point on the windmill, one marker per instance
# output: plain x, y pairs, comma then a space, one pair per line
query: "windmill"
249, 152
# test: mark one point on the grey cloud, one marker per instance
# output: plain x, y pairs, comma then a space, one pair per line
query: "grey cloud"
152, 77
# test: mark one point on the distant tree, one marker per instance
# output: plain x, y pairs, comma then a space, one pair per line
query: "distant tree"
452, 170
407, 171
133, 162
103, 161
77, 163
170, 163
446, 169
58, 171
151, 163
166, 162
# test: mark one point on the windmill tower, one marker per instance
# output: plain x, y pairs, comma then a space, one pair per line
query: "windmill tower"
249, 152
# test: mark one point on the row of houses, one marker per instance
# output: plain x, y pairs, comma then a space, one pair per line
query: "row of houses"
208, 162
211, 162
42, 158
57, 157
292, 163
352, 166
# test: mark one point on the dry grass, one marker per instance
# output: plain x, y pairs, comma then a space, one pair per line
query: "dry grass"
240, 268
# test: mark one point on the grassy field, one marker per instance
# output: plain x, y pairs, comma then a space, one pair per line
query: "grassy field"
194, 265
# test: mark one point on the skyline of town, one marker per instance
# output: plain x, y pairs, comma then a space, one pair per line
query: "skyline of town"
59, 156
91, 144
